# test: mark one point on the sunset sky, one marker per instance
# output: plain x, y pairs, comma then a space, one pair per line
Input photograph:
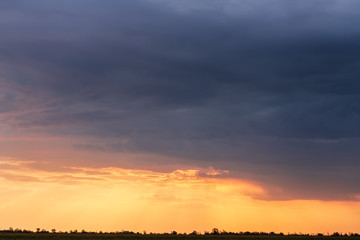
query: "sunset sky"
183, 115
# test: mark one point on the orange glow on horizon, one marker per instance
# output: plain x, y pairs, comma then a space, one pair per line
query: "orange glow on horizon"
111, 199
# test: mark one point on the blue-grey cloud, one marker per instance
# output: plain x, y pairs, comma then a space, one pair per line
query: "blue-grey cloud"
268, 89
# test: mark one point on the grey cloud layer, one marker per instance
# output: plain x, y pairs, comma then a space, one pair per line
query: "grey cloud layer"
268, 88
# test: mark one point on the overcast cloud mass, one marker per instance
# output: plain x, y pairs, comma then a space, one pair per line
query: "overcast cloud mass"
269, 90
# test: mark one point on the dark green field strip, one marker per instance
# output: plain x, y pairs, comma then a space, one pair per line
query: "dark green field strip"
47, 236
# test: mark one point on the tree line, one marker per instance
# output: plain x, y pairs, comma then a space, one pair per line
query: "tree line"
214, 231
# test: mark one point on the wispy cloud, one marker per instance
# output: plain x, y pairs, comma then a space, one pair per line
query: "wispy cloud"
141, 199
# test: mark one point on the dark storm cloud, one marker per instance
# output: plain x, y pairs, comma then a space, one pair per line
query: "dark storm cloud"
269, 89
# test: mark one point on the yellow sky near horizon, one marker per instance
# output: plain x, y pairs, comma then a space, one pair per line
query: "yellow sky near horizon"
113, 199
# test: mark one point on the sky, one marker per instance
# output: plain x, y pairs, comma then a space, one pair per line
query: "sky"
164, 115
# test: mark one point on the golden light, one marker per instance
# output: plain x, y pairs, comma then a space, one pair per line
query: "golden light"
111, 199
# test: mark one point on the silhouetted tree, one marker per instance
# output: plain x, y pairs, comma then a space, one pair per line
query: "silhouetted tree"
223, 232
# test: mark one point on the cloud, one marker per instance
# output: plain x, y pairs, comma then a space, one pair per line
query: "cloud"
268, 88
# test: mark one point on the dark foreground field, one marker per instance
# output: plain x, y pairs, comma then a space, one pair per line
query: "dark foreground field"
50, 236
